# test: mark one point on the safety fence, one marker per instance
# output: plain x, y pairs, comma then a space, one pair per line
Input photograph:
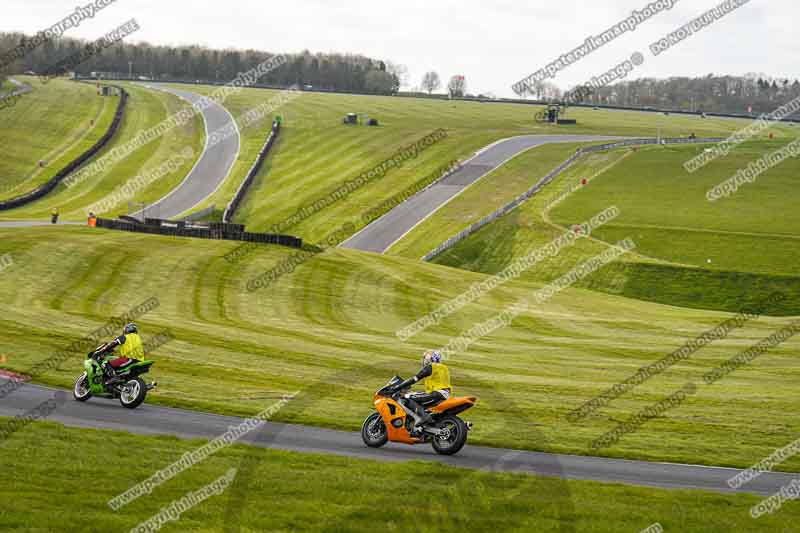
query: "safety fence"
527, 195
238, 198
199, 230
45, 189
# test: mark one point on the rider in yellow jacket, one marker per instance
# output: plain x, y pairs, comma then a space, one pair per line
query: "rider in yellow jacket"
131, 350
435, 376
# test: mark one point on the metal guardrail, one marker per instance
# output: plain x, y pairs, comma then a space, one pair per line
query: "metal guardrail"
527, 195
238, 198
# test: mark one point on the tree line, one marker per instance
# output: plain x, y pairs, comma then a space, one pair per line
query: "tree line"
756, 93
751, 93
329, 72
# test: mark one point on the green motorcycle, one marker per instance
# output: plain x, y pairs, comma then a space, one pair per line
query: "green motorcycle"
124, 384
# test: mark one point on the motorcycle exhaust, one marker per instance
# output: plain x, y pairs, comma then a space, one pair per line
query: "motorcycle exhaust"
469, 426
152, 386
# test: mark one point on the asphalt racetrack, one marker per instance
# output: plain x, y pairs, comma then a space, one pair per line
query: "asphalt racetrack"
394, 225
211, 169
153, 420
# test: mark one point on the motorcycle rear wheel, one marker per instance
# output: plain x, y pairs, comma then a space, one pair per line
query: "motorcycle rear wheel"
373, 431
456, 436
133, 393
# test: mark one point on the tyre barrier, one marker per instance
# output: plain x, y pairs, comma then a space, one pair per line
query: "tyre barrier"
527, 195
43, 190
238, 198
211, 230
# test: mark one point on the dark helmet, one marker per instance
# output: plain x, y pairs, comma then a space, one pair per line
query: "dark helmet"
130, 328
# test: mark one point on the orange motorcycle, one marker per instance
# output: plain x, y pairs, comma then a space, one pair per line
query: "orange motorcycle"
393, 422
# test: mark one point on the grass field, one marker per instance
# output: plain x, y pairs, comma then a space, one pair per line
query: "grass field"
319, 153
316, 153
270, 494
52, 123
145, 109
329, 329
751, 251
483, 198
666, 208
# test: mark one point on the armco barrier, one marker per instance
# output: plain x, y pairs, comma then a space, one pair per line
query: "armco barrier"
230, 211
527, 195
45, 189
212, 230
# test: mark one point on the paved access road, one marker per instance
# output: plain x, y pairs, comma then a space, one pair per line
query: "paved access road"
390, 228
211, 169
21, 89
153, 420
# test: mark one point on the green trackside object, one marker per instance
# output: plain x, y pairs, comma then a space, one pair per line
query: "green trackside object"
125, 384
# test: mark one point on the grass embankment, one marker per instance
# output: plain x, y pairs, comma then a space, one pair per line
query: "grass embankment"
329, 329
755, 230
145, 109
316, 152
52, 123
691, 253
283, 491
483, 198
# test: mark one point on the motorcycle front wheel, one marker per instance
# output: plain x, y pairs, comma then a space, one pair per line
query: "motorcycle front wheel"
80, 391
373, 432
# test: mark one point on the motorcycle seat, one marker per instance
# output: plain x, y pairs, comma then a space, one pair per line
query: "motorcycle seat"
453, 403
121, 362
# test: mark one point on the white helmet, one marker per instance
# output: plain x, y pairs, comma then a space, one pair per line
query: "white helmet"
431, 356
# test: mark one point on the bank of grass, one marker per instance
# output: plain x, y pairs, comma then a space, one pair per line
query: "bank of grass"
316, 152
145, 109
55, 123
49, 467
498, 244
690, 253
329, 329
755, 230
483, 198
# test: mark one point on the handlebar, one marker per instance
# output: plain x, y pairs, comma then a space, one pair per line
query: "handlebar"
394, 391
100, 350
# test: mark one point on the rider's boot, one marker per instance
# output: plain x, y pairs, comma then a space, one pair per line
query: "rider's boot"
426, 418
108, 373
421, 418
